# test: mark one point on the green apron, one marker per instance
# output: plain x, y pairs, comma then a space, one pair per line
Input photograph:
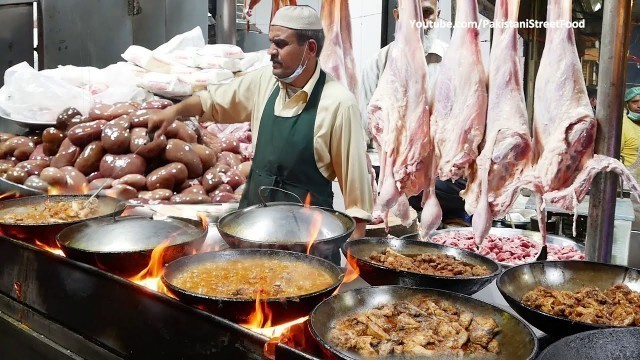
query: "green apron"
284, 156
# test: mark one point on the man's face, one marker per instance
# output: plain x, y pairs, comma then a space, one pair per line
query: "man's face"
285, 52
429, 12
634, 104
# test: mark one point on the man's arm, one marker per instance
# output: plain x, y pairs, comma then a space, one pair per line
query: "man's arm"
228, 103
348, 154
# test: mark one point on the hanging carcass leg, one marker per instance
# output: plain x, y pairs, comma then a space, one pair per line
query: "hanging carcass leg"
507, 149
399, 120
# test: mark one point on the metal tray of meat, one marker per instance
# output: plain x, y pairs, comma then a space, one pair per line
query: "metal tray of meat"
532, 235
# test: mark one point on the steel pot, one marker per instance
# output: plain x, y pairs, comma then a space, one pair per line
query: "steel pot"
123, 245
288, 226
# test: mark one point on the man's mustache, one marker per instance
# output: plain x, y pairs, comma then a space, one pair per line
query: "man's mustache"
276, 61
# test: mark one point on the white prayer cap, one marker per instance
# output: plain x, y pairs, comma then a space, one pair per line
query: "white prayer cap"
299, 17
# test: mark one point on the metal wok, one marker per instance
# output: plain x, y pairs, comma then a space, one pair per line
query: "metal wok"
238, 310
514, 283
359, 250
46, 232
287, 226
123, 246
516, 339
610, 344
9, 187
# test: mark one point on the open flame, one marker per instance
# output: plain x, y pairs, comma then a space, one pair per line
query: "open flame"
352, 272
259, 318
150, 276
260, 322
9, 195
316, 223
70, 188
54, 250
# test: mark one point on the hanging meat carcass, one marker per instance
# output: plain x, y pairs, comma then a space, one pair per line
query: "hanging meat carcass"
507, 147
460, 100
399, 121
564, 124
276, 5
337, 54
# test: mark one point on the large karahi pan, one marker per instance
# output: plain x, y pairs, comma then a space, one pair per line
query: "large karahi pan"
517, 340
515, 282
17, 190
45, 233
238, 310
123, 245
359, 250
610, 344
288, 226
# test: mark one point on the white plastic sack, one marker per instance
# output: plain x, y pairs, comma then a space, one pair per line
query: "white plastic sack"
222, 50
199, 80
168, 85
216, 62
77, 76
144, 58
28, 95
255, 60
190, 39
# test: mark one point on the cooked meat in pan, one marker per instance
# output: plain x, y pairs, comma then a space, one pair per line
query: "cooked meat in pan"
430, 264
421, 326
617, 306
51, 211
249, 278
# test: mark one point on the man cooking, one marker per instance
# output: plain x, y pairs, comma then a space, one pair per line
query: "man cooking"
630, 143
447, 192
306, 125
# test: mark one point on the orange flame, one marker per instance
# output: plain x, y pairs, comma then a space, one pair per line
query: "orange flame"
55, 190
259, 318
316, 223
203, 219
260, 322
54, 250
352, 272
11, 194
70, 188
150, 276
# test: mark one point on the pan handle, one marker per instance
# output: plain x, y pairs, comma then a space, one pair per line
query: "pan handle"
116, 218
272, 187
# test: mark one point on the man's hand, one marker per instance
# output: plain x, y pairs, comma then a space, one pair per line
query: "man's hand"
361, 229
162, 119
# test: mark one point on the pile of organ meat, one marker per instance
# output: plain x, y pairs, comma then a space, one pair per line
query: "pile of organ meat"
512, 249
617, 306
111, 146
421, 326
430, 264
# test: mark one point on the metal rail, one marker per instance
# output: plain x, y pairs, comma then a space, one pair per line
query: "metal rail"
611, 86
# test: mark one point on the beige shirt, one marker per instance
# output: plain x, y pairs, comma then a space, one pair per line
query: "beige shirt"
339, 145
